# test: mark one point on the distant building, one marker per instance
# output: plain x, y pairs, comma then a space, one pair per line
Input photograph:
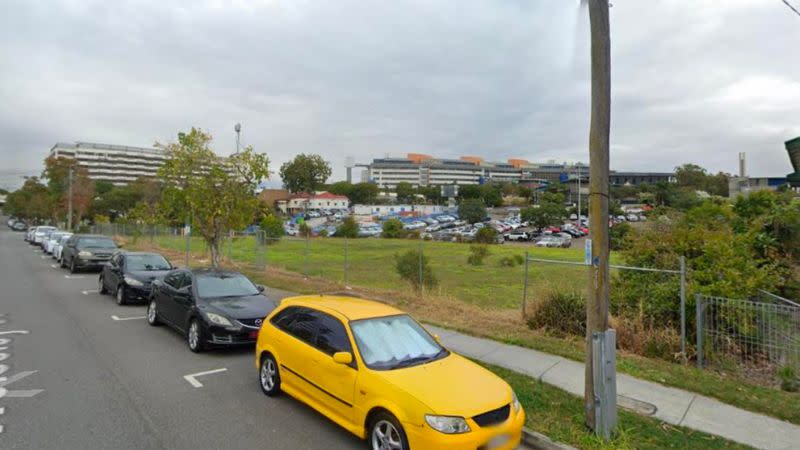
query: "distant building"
306, 202
793, 148
636, 178
118, 164
397, 210
272, 196
745, 185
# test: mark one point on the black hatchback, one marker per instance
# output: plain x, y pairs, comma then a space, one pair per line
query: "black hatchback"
129, 276
210, 307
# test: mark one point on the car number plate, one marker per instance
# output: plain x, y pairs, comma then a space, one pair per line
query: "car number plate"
498, 441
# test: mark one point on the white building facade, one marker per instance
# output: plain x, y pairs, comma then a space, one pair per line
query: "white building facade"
118, 164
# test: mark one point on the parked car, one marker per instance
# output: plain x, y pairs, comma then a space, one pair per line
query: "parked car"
52, 240
59, 247
129, 276
517, 236
87, 251
19, 226
40, 233
379, 374
210, 307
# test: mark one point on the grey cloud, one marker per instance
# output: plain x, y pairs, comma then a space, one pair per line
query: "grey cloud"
493, 78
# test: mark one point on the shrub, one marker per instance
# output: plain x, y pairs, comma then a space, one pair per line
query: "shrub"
472, 210
477, 253
790, 382
393, 228
519, 259
323, 233
636, 336
348, 228
617, 234
486, 235
507, 261
273, 228
560, 313
408, 267
304, 230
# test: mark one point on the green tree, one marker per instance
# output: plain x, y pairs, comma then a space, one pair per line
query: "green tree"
348, 228
410, 264
433, 194
340, 188
218, 194
492, 195
549, 211
486, 235
393, 228
56, 172
305, 173
405, 192
102, 187
691, 176
31, 202
364, 193
273, 228
472, 210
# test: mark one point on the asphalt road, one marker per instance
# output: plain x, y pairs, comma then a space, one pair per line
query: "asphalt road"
76, 378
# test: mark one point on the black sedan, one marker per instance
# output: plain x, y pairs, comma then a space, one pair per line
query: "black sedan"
210, 307
130, 275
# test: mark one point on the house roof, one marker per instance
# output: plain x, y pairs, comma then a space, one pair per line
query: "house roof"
318, 196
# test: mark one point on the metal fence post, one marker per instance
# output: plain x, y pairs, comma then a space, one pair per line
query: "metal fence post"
305, 259
345, 263
187, 232
525, 288
699, 319
420, 266
683, 307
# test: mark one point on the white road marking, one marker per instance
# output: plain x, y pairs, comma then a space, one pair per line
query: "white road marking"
26, 393
55, 266
90, 291
192, 377
73, 277
44, 256
15, 332
128, 318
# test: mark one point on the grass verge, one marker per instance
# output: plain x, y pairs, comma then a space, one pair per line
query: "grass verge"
559, 415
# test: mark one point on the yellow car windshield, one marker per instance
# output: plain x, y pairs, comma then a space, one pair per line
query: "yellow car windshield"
393, 342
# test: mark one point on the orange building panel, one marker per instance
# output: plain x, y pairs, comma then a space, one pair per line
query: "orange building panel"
517, 163
418, 158
473, 159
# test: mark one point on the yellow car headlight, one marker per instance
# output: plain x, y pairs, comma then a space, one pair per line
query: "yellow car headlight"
447, 424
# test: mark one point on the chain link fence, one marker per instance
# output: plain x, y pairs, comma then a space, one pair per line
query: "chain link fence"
756, 335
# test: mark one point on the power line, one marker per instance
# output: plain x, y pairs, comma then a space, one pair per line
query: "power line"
796, 11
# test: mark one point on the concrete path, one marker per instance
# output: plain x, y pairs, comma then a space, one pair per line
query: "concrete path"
674, 406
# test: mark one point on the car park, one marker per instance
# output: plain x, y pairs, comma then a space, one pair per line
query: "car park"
129, 276
209, 307
86, 252
373, 370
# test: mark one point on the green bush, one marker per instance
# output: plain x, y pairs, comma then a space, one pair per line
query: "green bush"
617, 234
560, 313
393, 228
472, 210
477, 253
304, 230
408, 267
507, 261
519, 259
486, 235
273, 228
790, 382
323, 233
348, 228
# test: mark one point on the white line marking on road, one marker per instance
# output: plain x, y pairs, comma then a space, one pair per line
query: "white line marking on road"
90, 291
24, 393
44, 257
73, 277
55, 266
128, 318
15, 332
192, 377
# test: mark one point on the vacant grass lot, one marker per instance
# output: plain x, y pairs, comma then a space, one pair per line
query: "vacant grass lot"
370, 263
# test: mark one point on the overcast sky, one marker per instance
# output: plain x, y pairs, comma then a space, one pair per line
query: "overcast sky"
693, 81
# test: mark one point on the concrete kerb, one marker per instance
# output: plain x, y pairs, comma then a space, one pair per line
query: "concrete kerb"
537, 441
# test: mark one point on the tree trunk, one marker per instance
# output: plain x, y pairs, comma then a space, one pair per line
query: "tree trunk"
215, 254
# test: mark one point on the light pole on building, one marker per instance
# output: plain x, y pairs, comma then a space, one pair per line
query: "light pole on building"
237, 128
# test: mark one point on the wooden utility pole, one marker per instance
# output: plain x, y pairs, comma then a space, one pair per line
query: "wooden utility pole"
597, 300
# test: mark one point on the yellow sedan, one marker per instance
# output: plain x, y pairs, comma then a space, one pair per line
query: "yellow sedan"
376, 372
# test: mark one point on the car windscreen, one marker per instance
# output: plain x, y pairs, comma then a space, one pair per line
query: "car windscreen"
224, 285
95, 243
146, 262
394, 342
63, 239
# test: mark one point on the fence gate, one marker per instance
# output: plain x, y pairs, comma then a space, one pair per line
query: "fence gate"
756, 335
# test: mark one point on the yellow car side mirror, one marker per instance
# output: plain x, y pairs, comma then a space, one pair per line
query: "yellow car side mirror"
343, 358
437, 338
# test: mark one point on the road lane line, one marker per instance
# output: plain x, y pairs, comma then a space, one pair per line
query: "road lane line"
90, 291
73, 277
128, 318
15, 332
192, 377
55, 266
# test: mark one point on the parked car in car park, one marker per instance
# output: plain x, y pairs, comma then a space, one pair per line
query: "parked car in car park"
376, 372
87, 251
52, 240
129, 276
40, 233
517, 236
209, 307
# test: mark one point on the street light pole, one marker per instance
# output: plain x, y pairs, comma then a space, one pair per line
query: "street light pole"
597, 300
237, 128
